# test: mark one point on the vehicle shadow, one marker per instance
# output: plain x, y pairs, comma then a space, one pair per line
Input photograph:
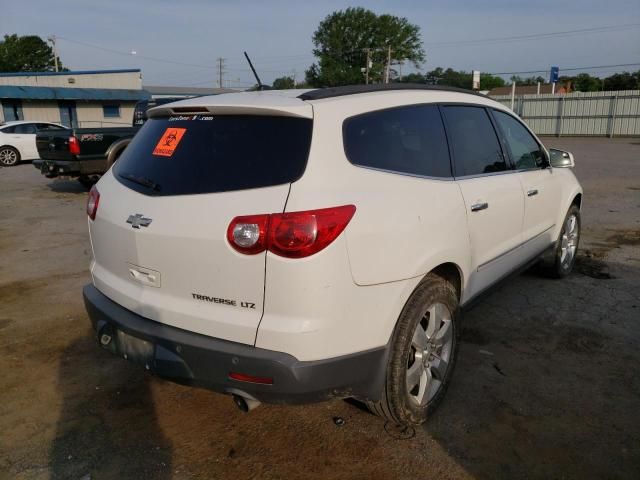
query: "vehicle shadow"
67, 185
107, 426
546, 384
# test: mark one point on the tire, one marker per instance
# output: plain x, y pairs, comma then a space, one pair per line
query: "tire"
433, 309
561, 261
9, 156
88, 181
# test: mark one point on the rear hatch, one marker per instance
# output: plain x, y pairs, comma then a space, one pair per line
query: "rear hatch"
53, 144
159, 237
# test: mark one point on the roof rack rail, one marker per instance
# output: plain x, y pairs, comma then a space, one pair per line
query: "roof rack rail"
331, 92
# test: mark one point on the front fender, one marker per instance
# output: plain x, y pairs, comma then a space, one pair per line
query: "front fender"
571, 188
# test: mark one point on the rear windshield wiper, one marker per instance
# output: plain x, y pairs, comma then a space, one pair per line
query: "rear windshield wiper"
145, 182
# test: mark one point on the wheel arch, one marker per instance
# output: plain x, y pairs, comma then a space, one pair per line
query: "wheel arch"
115, 149
452, 273
8, 145
13, 147
577, 201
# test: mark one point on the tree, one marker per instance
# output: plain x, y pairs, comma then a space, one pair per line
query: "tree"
453, 78
342, 39
489, 82
412, 78
583, 82
623, 81
284, 83
26, 54
527, 81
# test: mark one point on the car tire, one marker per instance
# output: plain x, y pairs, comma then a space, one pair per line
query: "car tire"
423, 347
9, 156
88, 181
560, 262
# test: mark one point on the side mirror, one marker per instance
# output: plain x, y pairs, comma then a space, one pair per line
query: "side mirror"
561, 159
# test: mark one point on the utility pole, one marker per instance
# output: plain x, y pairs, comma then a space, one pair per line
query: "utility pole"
294, 78
220, 71
52, 39
366, 74
387, 72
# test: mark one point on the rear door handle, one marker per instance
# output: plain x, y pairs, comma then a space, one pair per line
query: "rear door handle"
479, 206
533, 192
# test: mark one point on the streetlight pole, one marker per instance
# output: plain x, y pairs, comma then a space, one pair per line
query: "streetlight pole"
366, 74
387, 72
52, 39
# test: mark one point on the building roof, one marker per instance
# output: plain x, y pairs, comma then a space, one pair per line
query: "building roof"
64, 93
77, 72
185, 91
527, 89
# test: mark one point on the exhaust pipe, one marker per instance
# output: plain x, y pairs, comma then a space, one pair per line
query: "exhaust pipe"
245, 403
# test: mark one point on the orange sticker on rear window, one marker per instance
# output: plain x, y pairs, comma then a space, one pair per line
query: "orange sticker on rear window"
169, 141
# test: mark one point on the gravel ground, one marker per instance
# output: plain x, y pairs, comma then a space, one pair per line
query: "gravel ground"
546, 385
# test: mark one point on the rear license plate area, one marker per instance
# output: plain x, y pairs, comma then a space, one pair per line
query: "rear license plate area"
135, 349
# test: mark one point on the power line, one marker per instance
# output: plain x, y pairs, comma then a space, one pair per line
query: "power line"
128, 54
570, 69
265, 60
563, 33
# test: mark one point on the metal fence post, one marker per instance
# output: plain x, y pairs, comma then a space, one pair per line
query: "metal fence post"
612, 116
560, 116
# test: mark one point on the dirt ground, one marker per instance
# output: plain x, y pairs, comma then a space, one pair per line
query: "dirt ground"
547, 384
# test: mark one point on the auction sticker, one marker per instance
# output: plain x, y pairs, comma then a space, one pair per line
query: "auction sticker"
169, 141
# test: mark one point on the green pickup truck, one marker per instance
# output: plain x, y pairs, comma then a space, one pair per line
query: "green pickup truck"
87, 153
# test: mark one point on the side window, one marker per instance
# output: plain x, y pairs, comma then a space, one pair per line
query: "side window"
25, 128
48, 126
525, 151
8, 130
474, 142
407, 139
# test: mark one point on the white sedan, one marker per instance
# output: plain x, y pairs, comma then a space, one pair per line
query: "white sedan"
18, 140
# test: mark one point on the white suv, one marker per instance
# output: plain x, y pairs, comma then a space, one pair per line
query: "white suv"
295, 246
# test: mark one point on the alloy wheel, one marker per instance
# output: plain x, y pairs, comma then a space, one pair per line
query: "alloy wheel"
431, 347
569, 241
8, 157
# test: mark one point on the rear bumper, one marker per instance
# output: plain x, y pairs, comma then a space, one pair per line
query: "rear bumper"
195, 359
72, 168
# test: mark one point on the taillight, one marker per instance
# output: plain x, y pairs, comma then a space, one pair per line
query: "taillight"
248, 234
74, 146
291, 235
92, 202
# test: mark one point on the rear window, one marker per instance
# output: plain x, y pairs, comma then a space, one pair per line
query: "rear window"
193, 154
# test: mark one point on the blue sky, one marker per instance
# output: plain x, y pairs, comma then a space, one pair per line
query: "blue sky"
277, 34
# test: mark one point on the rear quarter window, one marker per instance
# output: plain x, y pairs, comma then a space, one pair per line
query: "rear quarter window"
408, 140
197, 154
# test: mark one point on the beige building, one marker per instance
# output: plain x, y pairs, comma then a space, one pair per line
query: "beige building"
82, 99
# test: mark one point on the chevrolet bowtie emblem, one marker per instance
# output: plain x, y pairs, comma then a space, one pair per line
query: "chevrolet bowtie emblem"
138, 220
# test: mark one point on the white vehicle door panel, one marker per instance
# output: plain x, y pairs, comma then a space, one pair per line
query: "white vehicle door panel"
540, 187
495, 232
542, 198
25, 142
